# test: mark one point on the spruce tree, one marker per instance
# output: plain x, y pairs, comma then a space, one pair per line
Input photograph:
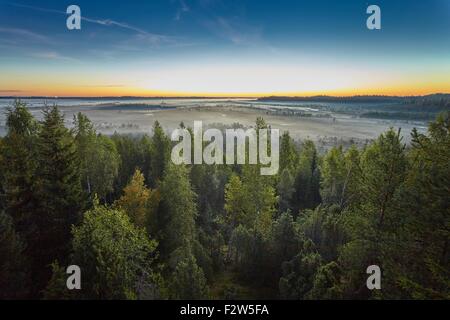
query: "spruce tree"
58, 192
13, 263
178, 209
18, 166
159, 153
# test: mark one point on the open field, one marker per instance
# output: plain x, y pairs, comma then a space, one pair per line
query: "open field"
326, 131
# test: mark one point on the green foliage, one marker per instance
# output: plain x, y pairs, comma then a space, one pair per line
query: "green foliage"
307, 180
324, 226
333, 176
98, 157
188, 280
247, 251
234, 202
260, 200
286, 240
374, 218
18, 165
57, 288
134, 153
179, 209
285, 189
299, 273
208, 182
58, 186
288, 153
116, 258
326, 283
13, 269
426, 203
159, 152
309, 232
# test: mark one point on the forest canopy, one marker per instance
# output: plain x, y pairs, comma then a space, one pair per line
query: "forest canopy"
140, 227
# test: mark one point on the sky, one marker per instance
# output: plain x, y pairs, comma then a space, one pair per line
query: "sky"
224, 48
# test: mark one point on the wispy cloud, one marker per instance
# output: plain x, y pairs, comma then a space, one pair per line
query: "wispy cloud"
234, 30
24, 35
103, 86
182, 8
10, 91
51, 55
151, 37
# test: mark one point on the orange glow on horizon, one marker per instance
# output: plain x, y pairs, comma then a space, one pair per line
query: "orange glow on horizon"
139, 92
222, 81
46, 86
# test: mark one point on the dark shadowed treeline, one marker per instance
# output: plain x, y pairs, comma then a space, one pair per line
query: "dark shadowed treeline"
140, 227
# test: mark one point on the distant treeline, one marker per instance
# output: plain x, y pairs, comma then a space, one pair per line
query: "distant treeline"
439, 99
399, 115
364, 99
419, 108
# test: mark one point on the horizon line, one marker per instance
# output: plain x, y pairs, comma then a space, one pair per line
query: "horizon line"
221, 97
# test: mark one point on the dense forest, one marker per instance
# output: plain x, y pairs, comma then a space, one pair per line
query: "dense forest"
431, 100
409, 108
141, 227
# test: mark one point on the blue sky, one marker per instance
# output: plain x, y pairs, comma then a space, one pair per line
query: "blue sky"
229, 47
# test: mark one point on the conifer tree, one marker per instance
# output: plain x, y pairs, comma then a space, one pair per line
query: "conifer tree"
307, 181
288, 153
58, 192
178, 204
285, 189
188, 280
13, 263
426, 205
18, 170
374, 218
18, 166
159, 152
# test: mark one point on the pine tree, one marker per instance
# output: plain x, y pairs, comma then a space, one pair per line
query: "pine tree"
159, 152
260, 199
298, 273
326, 283
307, 181
288, 153
235, 202
424, 273
188, 280
333, 176
185, 255
285, 189
18, 166
58, 191
374, 218
13, 267
285, 242
178, 207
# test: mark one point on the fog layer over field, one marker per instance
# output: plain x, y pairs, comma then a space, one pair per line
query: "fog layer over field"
317, 121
